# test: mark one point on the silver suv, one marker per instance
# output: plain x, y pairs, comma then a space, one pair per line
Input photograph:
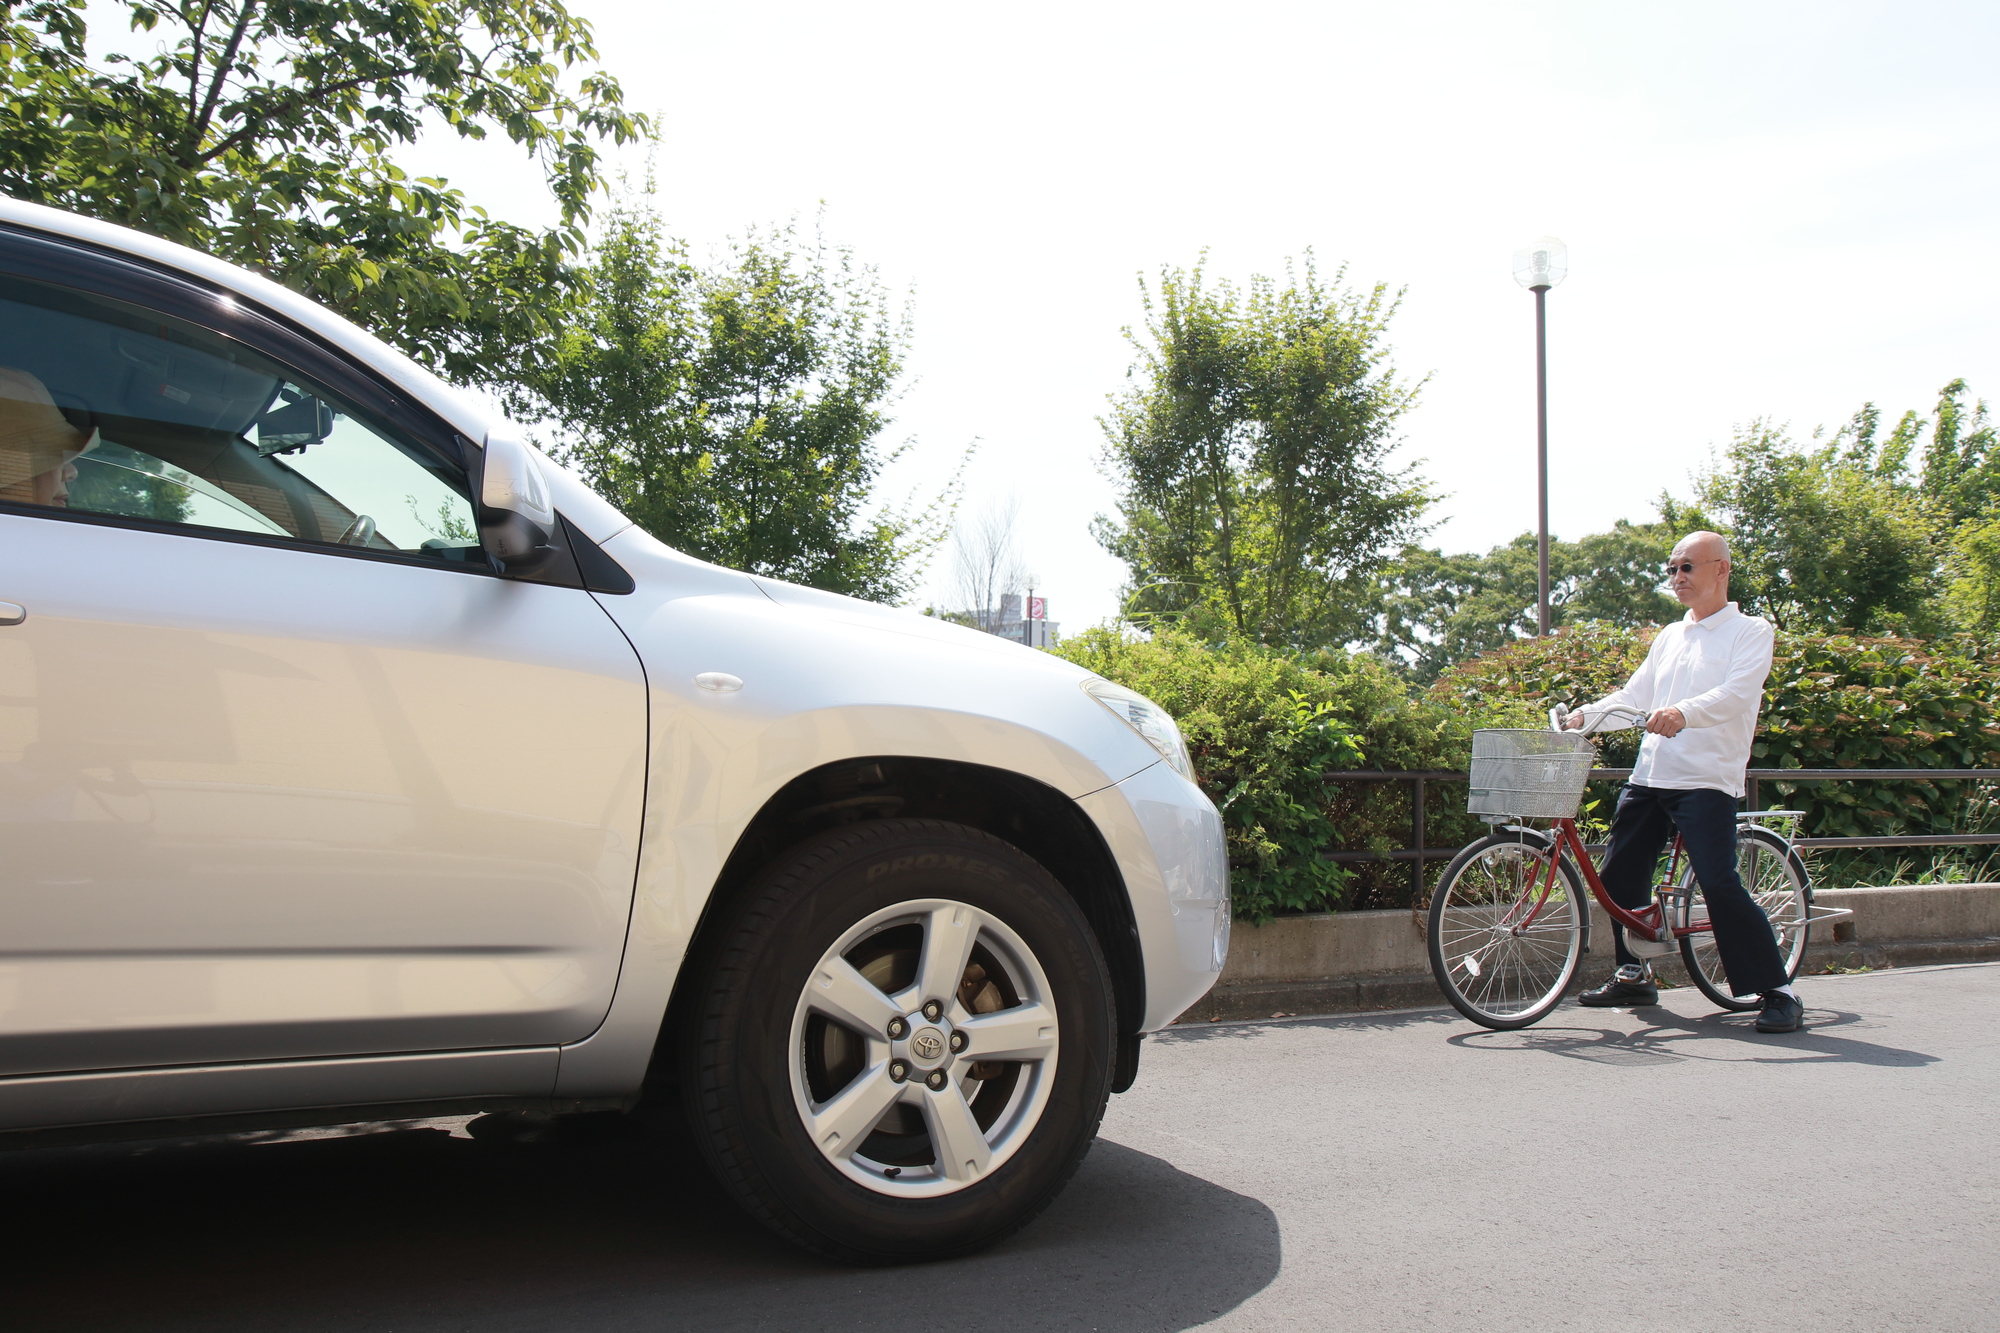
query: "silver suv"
358, 762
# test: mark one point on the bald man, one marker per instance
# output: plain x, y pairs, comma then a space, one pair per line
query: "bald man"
1700, 688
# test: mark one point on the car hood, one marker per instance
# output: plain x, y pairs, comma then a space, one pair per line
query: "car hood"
836, 607
826, 677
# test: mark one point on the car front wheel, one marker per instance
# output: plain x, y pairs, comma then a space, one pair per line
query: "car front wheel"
901, 1043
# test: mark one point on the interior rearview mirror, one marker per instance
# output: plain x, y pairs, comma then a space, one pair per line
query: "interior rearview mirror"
516, 519
301, 421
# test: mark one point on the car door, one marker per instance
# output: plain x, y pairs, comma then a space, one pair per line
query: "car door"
286, 768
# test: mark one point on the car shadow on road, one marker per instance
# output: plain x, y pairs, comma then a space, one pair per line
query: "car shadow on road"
1671, 1037
414, 1229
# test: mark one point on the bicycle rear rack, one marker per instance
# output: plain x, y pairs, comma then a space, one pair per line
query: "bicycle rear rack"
1758, 816
1814, 912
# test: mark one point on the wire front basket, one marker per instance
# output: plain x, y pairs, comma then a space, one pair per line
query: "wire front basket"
1529, 774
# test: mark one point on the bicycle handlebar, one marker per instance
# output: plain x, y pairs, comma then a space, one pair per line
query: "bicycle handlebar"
1560, 714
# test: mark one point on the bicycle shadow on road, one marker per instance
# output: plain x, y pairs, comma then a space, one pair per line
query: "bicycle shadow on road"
1670, 1038
414, 1229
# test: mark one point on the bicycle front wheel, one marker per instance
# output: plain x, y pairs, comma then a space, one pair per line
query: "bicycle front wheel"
1776, 880
1502, 949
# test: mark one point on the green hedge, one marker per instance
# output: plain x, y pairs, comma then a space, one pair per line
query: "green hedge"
1263, 726
1833, 701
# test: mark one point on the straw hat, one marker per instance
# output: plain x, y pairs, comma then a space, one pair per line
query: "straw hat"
35, 439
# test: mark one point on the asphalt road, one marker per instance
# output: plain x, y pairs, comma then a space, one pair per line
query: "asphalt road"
1664, 1169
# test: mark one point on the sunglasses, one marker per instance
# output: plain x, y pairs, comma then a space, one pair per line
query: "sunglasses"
1688, 566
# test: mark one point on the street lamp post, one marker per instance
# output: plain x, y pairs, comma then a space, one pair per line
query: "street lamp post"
1539, 267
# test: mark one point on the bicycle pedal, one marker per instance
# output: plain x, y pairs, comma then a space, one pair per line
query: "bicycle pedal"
1649, 948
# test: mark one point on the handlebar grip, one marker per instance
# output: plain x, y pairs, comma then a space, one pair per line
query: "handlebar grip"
1561, 714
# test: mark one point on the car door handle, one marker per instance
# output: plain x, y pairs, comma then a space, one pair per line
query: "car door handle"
12, 613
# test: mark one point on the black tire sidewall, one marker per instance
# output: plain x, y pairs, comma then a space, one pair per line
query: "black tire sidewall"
740, 1085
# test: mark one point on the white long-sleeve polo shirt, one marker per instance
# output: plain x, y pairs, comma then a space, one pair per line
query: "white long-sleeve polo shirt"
1713, 670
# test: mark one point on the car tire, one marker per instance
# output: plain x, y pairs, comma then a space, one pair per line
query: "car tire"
803, 982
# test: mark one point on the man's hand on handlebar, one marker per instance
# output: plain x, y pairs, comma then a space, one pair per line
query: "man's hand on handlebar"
1666, 722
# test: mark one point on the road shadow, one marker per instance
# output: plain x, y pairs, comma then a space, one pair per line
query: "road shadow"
1671, 1038
414, 1229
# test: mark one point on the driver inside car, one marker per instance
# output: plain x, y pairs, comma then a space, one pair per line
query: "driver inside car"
38, 446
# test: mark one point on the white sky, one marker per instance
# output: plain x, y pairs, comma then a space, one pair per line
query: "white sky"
1772, 209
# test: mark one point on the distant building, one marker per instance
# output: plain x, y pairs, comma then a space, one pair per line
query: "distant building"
1008, 624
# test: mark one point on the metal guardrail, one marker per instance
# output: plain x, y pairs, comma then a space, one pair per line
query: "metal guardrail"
1418, 853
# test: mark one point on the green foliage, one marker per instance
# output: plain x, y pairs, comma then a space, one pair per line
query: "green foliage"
1616, 577
1256, 496
1440, 609
1842, 534
1961, 467
261, 131
1577, 665
1843, 702
1972, 597
1832, 537
1261, 729
734, 410
1263, 725
1837, 534
1832, 701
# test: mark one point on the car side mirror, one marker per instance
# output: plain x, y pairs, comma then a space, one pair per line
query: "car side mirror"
516, 520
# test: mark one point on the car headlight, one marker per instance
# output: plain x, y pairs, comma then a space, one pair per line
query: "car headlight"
1148, 719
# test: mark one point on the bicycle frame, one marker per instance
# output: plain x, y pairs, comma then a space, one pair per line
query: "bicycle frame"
1650, 921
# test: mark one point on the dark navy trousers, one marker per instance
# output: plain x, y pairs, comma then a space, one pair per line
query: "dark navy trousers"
1706, 818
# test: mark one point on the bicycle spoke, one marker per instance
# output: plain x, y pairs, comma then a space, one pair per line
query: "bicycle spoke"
1764, 863
1504, 936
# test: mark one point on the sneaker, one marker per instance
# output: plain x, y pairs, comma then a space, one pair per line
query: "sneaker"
1629, 985
1782, 1013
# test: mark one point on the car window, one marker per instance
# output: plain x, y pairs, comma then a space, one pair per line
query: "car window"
107, 408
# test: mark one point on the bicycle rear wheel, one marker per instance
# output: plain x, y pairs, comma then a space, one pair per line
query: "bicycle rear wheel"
1776, 879
1501, 952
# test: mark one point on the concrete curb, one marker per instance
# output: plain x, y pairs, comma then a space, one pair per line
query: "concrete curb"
1359, 962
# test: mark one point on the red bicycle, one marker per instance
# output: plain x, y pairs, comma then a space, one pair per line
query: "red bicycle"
1509, 919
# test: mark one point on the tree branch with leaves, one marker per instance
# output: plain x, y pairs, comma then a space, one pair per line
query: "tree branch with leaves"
735, 410
263, 131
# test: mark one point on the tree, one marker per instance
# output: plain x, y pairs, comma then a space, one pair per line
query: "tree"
733, 411
261, 131
1834, 537
986, 565
1972, 598
1251, 455
1438, 610
1839, 534
1961, 476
